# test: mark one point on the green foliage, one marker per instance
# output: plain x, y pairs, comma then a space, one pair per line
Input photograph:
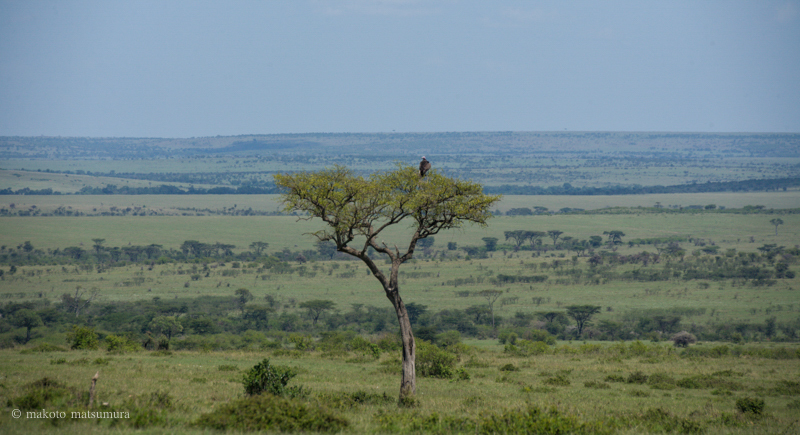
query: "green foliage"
434, 362
660, 420
115, 343
82, 338
750, 405
636, 378
509, 368
350, 400
267, 378
527, 348
270, 413
42, 393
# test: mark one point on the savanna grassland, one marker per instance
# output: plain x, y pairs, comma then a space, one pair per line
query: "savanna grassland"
174, 299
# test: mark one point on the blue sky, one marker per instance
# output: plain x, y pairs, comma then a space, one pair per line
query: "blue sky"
204, 68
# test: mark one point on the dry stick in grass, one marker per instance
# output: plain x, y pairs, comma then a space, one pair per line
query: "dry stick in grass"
91, 390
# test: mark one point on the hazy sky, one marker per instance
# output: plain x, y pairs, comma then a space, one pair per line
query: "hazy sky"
174, 68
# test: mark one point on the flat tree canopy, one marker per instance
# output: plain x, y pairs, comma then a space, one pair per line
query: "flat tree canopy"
357, 210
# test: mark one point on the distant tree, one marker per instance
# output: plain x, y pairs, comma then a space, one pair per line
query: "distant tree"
535, 237
98, 244
415, 310
259, 247
595, 241
75, 303
316, 307
27, 319
326, 249
555, 234
523, 211
166, 325
490, 242
243, 296
582, 314
614, 237
518, 236
426, 242
491, 297
74, 252
27, 246
776, 222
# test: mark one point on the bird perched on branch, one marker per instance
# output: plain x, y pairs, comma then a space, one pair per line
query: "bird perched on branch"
424, 167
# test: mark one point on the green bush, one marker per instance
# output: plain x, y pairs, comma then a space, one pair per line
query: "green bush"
347, 400
83, 338
267, 378
526, 348
661, 381
535, 420
43, 393
614, 378
434, 362
270, 413
509, 368
749, 405
660, 420
361, 345
637, 377
119, 344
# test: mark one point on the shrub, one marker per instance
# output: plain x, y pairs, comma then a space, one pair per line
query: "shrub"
637, 377
270, 413
42, 393
683, 339
361, 345
558, 380
526, 348
82, 337
433, 362
347, 400
614, 378
533, 420
116, 343
749, 405
661, 381
536, 335
660, 420
47, 347
267, 378
509, 368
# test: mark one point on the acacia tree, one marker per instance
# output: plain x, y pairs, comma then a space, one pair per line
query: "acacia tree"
582, 314
316, 307
776, 222
357, 211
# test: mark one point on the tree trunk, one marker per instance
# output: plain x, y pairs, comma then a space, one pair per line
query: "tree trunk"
408, 379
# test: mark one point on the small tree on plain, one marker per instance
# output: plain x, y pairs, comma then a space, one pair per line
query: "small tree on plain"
491, 297
243, 296
27, 319
582, 314
357, 210
776, 222
316, 307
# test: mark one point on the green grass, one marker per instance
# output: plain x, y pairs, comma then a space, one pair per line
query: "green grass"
488, 390
732, 230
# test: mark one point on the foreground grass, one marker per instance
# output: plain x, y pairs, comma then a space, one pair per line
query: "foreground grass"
601, 386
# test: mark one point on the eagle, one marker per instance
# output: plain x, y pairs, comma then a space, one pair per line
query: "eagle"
424, 167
